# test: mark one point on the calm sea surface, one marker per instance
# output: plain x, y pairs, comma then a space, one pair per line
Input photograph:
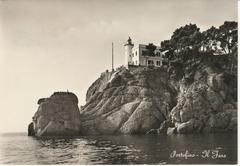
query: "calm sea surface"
18, 148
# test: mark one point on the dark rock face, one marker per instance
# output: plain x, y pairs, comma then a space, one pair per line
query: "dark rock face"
152, 131
31, 131
57, 115
128, 102
165, 126
204, 107
144, 100
171, 131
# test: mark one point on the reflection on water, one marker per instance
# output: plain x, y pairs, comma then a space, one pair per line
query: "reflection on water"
21, 149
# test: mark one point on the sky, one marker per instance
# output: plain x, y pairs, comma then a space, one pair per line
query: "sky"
60, 45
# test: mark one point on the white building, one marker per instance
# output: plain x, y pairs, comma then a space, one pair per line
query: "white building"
142, 55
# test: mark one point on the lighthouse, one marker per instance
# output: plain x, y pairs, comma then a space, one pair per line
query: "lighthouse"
128, 52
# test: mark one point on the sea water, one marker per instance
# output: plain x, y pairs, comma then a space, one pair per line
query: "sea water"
18, 148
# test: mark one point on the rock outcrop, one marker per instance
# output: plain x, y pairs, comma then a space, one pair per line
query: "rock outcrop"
201, 108
128, 101
207, 103
143, 100
57, 115
31, 131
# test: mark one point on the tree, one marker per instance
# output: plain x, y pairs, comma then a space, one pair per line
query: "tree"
151, 48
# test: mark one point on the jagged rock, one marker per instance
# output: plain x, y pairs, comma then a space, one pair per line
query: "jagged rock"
31, 131
136, 100
152, 131
233, 124
164, 127
186, 127
130, 101
171, 131
218, 122
57, 115
145, 117
233, 120
203, 106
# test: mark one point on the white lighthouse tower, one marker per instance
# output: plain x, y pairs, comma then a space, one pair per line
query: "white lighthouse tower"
128, 52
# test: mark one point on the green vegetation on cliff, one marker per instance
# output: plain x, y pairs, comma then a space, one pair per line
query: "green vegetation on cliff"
188, 44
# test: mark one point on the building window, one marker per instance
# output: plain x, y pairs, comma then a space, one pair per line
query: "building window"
158, 63
150, 63
136, 53
158, 54
135, 62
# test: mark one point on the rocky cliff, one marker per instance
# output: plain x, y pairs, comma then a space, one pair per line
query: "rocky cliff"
197, 96
57, 115
128, 102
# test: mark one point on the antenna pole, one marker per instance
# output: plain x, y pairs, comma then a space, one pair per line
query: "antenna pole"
112, 58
